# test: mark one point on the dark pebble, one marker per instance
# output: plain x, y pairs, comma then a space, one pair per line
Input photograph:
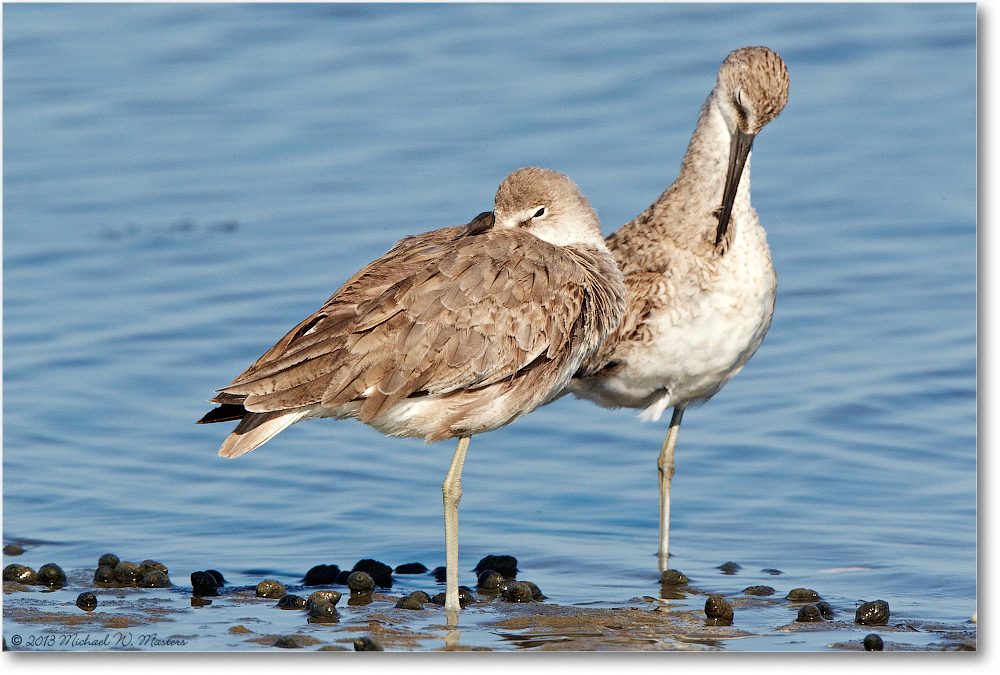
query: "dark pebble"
380, 573
504, 564
809, 614
218, 577
147, 566
291, 602
20, 574
269, 588
440, 574
872, 613
332, 597
465, 597
719, 611
360, 583
104, 575
323, 611
86, 601
730, 568
51, 575
321, 575
411, 568
825, 610
367, 644
518, 591
758, 590
155, 579
109, 559
126, 573
536, 592
489, 581
287, 642
411, 601
203, 583
673, 578
873, 643
772, 572
13, 549
198, 601
802, 595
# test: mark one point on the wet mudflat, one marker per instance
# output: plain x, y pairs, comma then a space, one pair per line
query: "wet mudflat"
273, 614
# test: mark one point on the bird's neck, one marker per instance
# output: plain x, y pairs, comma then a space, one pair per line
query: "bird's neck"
707, 159
686, 216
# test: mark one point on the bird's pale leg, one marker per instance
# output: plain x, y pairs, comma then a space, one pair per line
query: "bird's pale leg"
665, 464
452, 491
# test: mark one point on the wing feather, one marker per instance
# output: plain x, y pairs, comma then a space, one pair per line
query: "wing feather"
450, 311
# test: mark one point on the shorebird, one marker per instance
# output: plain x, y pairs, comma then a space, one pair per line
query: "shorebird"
454, 332
698, 273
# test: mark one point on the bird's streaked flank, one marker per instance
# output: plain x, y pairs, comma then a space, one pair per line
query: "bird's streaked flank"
454, 332
700, 284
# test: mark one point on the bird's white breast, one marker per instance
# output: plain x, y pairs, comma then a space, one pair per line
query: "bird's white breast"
693, 345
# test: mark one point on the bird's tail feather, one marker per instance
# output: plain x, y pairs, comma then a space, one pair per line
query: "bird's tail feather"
256, 429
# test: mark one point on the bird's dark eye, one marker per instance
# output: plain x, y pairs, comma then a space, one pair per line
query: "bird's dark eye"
741, 110
539, 213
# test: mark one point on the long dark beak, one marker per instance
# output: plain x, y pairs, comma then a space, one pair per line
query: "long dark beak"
738, 152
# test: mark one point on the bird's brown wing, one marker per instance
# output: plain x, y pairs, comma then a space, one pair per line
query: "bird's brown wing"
451, 310
374, 277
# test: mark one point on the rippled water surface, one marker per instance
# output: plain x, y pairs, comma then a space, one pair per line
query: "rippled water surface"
184, 183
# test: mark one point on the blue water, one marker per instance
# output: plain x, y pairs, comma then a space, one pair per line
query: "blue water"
184, 183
